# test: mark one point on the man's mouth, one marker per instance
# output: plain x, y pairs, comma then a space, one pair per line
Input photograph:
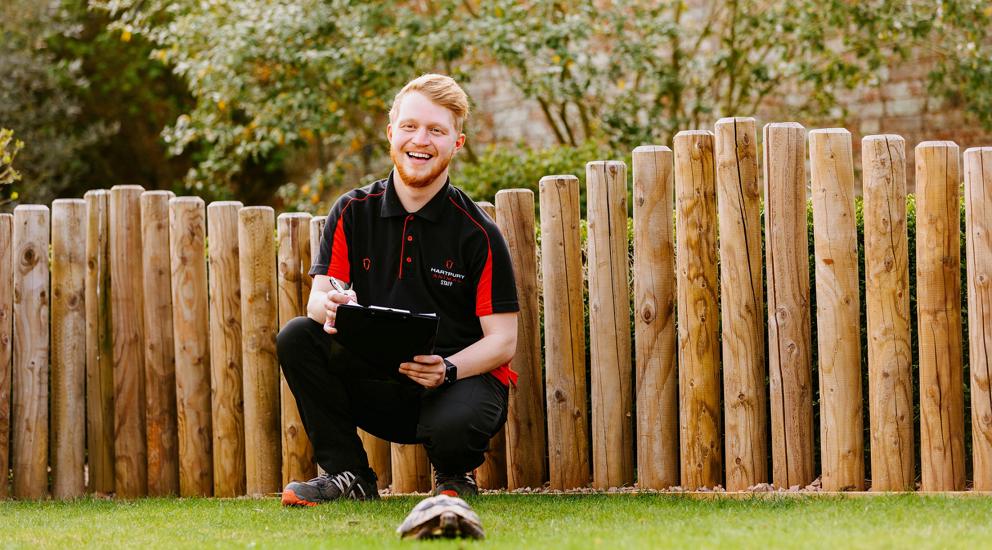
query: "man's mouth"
418, 156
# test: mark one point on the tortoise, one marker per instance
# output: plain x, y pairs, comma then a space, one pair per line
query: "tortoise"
441, 516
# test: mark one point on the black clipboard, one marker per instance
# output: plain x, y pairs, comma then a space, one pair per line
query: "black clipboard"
385, 337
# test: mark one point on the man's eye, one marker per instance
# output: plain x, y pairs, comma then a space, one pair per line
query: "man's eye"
436, 131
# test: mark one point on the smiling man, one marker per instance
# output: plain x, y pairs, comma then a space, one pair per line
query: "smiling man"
411, 241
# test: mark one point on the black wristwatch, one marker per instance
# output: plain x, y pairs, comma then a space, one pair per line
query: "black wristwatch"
450, 373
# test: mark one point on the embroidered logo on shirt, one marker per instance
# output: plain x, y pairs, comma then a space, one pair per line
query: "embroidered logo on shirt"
447, 277
366, 263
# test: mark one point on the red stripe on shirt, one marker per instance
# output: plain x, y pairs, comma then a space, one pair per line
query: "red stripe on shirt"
340, 266
483, 292
505, 374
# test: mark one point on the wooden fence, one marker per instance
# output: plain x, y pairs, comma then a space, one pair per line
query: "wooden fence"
138, 360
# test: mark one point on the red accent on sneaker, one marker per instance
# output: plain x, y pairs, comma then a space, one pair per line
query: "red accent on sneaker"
289, 498
449, 492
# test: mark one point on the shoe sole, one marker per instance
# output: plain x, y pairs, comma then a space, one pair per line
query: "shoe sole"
289, 498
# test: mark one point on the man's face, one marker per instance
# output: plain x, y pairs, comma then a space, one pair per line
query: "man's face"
422, 140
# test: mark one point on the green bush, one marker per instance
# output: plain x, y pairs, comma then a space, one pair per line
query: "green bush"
521, 167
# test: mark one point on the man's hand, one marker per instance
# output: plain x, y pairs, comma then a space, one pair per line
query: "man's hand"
331, 302
426, 370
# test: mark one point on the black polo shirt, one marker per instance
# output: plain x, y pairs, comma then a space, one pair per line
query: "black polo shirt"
447, 258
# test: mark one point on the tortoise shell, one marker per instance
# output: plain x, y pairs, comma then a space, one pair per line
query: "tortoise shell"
441, 516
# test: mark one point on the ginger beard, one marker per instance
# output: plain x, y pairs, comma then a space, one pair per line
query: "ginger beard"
423, 179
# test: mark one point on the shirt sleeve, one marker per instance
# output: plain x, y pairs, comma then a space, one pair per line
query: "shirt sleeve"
332, 257
496, 290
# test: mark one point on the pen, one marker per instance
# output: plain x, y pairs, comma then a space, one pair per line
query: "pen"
340, 288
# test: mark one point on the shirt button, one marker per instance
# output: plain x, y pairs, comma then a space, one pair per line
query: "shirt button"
409, 238
409, 259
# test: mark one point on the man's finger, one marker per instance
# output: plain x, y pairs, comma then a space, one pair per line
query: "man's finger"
428, 359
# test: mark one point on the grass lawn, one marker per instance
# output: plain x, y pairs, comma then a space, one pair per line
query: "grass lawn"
511, 521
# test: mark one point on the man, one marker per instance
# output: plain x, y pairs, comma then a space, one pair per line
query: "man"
411, 241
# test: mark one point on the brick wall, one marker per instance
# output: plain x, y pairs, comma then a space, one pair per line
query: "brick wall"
899, 105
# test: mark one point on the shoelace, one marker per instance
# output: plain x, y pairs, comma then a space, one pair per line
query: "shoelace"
467, 479
346, 483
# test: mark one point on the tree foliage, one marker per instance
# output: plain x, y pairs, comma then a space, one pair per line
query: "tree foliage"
9, 147
299, 89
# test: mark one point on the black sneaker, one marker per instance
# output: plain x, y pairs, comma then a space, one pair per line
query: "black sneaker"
326, 488
455, 485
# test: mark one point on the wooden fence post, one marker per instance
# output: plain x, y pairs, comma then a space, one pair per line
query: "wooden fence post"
564, 333
160, 358
742, 302
657, 427
227, 413
6, 347
609, 325
411, 469
698, 310
978, 203
938, 289
99, 345
890, 377
261, 367
525, 433
31, 351
190, 319
68, 368
127, 301
294, 289
492, 473
789, 352
378, 450
838, 310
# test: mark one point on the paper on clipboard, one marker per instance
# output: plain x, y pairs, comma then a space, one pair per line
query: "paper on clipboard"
385, 337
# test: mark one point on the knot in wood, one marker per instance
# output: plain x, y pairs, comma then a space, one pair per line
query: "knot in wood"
559, 396
29, 258
647, 312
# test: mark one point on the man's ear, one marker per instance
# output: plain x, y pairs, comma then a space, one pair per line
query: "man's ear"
460, 142
389, 132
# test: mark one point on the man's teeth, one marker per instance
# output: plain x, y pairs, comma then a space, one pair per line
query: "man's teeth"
418, 155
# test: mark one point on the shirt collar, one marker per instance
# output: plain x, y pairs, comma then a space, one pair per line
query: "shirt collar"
431, 211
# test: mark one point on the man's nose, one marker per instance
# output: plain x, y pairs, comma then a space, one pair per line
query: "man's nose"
421, 137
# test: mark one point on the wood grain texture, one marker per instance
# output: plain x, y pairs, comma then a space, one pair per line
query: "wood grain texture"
6, 343
609, 325
492, 473
411, 469
190, 319
742, 303
978, 205
68, 368
657, 425
838, 310
890, 376
263, 468
160, 364
227, 404
698, 311
128, 330
525, 424
938, 299
31, 351
978, 227
564, 333
787, 291
293, 231
99, 345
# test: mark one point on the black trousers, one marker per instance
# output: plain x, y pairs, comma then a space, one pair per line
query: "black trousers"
336, 392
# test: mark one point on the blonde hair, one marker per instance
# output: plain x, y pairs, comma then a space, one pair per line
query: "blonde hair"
440, 89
